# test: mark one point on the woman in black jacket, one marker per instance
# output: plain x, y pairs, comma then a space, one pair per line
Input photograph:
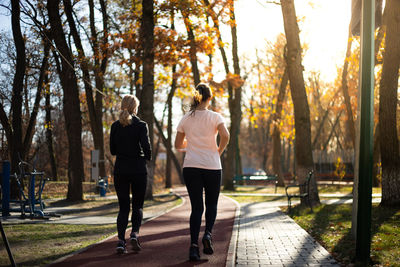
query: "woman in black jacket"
129, 141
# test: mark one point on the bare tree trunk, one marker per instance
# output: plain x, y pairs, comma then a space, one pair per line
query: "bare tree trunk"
49, 129
147, 94
100, 52
303, 150
16, 146
266, 140
72, 112
276, 135
137, 73
168, 178
218, 32
376, 158
193, 49
234, 101
350, 125
30, 130
168, 167
388, 101
95, 107
231, 165
321, 124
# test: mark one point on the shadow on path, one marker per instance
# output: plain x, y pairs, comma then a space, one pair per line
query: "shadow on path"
165, 241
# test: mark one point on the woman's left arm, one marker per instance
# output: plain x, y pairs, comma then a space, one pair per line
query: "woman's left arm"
145, 142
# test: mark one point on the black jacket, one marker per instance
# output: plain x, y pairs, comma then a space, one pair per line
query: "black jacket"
131, 145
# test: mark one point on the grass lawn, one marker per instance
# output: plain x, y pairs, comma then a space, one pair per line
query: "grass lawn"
40, 244
322, 189
331, 226
250, 199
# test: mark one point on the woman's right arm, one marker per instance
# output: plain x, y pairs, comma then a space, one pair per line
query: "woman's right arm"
180, 141
224, 137
112, 144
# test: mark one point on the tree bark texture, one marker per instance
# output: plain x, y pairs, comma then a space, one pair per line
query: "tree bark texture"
388, 101
147, 94
71, 104
304, 160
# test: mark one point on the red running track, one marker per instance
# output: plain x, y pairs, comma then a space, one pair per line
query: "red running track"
165, 241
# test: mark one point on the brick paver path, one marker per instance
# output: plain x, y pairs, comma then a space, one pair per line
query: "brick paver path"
268, 237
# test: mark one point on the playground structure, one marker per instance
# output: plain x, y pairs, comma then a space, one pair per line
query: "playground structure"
29, 205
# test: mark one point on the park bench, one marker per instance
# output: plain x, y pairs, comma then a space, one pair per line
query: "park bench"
303, 191
256, 177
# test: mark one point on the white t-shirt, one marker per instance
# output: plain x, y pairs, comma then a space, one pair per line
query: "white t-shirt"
201, 133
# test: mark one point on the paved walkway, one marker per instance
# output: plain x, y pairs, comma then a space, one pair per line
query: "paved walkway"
268, 237
256, 234
165, 241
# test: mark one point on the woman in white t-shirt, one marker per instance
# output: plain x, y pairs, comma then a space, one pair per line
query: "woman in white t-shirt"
197, 134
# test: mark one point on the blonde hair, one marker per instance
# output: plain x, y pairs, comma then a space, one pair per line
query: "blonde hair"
129, 106
201, 94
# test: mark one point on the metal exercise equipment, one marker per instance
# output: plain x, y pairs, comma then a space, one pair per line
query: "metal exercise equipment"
31, 204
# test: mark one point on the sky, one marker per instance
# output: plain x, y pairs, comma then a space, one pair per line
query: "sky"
324, 28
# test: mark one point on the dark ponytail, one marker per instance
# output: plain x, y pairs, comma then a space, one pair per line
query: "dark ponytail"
201, 94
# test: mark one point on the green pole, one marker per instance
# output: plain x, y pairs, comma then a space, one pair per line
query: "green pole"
363, 233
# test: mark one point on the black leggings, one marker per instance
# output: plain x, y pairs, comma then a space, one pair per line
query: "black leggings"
196, 179
123, 184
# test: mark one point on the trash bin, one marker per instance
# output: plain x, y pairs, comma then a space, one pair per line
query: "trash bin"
103, 184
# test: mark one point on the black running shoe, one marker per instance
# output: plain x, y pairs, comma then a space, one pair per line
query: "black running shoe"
194, 254
135, 243
121, 247
207, 244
